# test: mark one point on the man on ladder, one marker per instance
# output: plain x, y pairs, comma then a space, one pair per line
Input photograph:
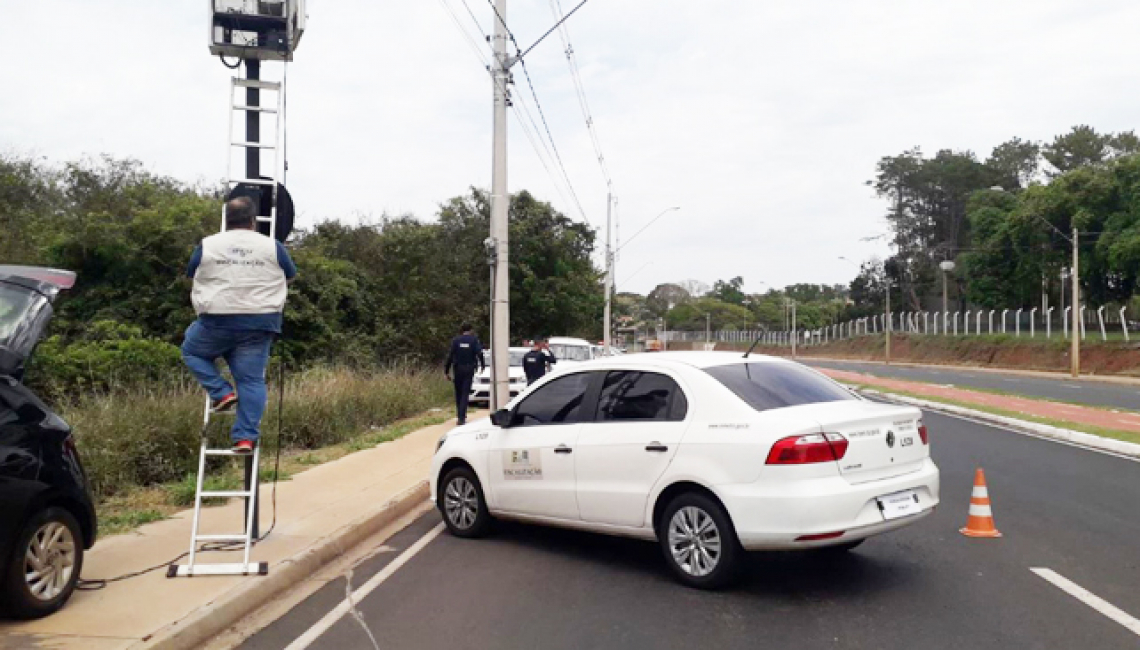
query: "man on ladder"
240, 284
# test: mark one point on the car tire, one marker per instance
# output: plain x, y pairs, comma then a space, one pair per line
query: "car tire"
62, 555
699, 542
462, 504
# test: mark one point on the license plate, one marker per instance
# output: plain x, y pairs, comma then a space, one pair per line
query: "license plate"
899, 504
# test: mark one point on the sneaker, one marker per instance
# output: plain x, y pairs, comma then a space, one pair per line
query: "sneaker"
243, 447
224, 405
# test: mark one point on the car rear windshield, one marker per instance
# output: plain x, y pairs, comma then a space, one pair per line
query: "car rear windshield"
766, 386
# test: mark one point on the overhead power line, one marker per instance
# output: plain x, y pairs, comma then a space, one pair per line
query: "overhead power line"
541, 113
525, 117
575, 74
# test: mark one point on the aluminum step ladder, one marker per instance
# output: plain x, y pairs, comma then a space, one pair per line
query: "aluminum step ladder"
274, 110
245, 567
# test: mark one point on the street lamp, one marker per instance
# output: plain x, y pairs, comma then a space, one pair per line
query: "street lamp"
947, 266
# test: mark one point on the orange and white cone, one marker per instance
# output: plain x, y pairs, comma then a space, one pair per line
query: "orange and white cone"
981, 521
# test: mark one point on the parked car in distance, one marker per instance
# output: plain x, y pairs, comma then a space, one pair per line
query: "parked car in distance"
47, 514
481, 386
709, 453
570, 351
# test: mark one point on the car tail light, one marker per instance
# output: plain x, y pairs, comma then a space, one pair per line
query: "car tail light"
922, 433
810, 448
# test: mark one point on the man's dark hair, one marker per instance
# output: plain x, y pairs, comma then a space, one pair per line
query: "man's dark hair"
240, 212
465, 328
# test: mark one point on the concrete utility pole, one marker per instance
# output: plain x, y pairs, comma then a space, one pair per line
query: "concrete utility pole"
607, 325
500, 202
890, 322
708, 328
794, 335
1075, 354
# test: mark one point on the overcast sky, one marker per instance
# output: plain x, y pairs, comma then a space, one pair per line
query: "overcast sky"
761, 120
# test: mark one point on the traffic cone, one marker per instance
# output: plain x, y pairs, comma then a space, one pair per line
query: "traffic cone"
981, 521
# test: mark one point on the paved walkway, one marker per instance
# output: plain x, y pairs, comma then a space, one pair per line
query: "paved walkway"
1108, 419
311, 508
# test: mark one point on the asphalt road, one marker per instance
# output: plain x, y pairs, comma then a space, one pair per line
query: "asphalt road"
1063, 508
1079, 391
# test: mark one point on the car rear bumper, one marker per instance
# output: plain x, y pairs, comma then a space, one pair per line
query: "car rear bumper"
772, 517
482, 395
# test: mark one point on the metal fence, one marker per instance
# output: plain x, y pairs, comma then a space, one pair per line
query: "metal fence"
1031, 323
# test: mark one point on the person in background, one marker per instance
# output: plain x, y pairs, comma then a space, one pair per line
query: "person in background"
240, 285
537, 362
465, 355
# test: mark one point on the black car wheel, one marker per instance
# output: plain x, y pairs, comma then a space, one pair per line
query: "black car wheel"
45, 564
699, 542
462, 504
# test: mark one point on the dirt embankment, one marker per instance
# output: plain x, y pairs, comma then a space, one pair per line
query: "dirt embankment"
1024, 353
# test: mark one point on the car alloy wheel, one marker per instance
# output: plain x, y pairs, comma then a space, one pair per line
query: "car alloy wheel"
695, 541
49, 561
461, 503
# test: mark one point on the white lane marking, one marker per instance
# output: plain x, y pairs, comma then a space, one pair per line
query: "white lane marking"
338, 612
1090, 599
1025, 433
1071, 385
1016, 381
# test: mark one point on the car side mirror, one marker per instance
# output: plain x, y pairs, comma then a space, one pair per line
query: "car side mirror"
501, 418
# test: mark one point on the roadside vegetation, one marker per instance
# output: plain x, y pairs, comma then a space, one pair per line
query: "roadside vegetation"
140, 447
1003, 220
367, 320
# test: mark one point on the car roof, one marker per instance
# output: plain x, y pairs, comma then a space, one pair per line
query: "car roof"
698, 360
568, 340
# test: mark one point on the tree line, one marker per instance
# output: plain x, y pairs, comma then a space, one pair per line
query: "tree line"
1006, 222
395, 290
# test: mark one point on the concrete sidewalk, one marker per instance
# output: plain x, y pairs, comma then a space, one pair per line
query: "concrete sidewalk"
320, 513
1093, 417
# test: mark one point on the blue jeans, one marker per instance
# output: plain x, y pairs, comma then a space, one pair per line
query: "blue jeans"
247, 354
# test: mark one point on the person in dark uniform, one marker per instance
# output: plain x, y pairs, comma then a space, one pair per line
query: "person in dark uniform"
537, 361
465, 355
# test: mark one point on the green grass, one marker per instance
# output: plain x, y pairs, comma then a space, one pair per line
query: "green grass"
128, 520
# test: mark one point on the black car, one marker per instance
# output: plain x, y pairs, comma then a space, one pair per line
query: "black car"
47, 515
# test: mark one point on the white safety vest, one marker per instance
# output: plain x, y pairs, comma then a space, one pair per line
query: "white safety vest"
239, 274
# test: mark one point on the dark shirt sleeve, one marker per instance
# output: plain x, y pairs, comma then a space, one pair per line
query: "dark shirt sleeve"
195, 261
479, 355
550, 358
450, 356
286, 262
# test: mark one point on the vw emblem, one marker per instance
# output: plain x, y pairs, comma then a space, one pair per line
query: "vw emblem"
890, 438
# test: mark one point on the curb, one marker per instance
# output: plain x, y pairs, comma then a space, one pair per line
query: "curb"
1121, 447
214, 618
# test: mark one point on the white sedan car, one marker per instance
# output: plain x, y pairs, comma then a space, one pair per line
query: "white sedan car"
481, 384
709, 453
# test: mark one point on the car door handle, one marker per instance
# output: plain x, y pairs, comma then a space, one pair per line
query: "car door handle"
562, 449
656, 446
